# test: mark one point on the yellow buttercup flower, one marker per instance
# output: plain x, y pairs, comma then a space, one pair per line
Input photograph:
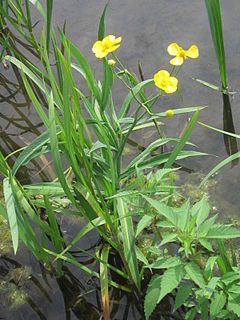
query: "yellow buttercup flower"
169, 113
108, 44
111, 62
164, 81
180, 54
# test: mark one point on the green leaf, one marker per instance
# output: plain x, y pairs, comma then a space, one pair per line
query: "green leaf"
126, 103
215, 22
49, 17
209, 266
152, 295
170, 280
11, 213
222, 232
234, 303
168, 237
181, 296
201, 209
128, 241
55, 150
190, 315
165, 263
144, 222
206, 244
101, 27
182, 142
104, 281
162, 209
195, 274
217, 303
230, 277
39, 146
219, 166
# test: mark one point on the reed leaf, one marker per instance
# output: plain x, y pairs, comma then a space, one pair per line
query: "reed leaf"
104, 281
215, 22
128, 241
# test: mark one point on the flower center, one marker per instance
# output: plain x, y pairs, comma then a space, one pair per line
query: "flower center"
182, 54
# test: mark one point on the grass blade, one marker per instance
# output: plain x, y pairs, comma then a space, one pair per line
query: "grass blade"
104, 282
49, 18
182, 142
12, 216
219, 166
215, 22
128, 241
101, 27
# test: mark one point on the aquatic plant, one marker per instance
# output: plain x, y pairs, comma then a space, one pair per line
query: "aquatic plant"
120, 200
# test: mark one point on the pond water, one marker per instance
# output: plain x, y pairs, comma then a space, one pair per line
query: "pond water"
147, 27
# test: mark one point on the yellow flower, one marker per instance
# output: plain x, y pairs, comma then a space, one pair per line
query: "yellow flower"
169, 113
175, 50
107, 45
111, 62
163, 81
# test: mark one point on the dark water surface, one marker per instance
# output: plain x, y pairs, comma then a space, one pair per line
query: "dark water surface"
147, 27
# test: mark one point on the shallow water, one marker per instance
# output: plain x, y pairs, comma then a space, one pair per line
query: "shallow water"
147, 27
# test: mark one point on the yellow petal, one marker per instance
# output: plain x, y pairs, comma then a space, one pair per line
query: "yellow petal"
192, 52
118, 40
113, 48
101, 54
161, 79
172, 85
177, 61
173, 49
97, 46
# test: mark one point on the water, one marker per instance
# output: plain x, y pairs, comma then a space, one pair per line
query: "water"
147, 27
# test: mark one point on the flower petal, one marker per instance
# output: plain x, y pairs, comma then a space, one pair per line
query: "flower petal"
113, 48
172, 85
192, 52
101, 54
173, 49
97, 46
118, 40
177, 61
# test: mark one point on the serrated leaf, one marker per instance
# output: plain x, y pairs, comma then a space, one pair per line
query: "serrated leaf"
223, 232
152, 295
230, 277
195, 274
210, 287
206, 244
217, 304
181, 296
165, 263
201, 209
162, 209
168, 237
205, 226
209, 266
170, 280
234, 303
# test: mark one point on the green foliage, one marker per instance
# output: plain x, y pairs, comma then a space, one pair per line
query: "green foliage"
195, 279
